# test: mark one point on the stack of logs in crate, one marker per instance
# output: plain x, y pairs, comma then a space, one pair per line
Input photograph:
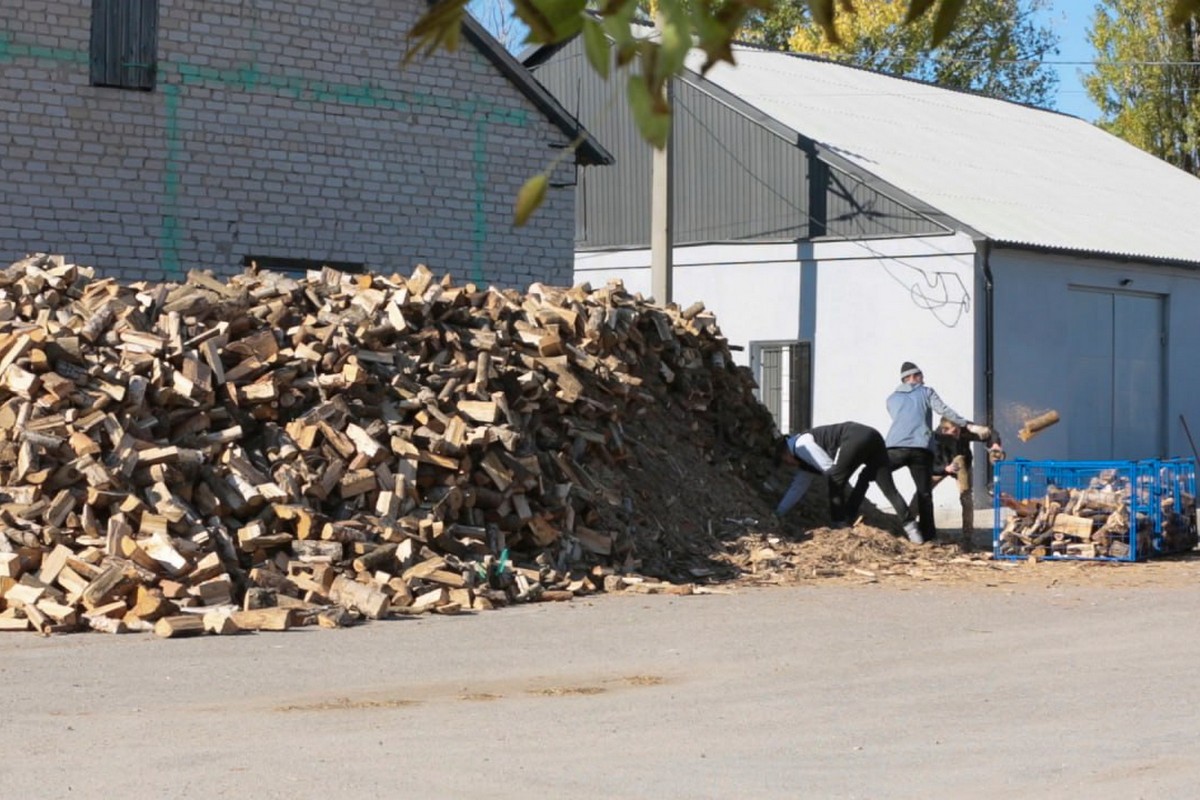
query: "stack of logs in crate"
268, 451
1093, 521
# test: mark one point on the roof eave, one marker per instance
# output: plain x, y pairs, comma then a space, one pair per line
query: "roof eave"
1134, 258
590, 152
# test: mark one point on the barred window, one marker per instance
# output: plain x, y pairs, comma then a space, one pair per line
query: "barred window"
783, 371
124, 50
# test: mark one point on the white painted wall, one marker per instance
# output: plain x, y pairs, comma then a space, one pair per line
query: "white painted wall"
879, 304
1033, 344
868, 307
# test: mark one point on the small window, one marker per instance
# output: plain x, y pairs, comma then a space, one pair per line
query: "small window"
300, 267
124, 43
783, 371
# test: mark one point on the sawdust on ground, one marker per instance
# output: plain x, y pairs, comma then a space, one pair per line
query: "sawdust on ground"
865, 554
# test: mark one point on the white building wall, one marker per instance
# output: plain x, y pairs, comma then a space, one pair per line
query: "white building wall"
879, 304
866, 306
1035, 337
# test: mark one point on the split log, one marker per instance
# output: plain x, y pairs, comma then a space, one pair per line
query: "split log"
264, 619
1036, 425
179, 625
366, 599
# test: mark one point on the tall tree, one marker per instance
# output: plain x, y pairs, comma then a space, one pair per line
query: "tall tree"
1146, 81
995, 48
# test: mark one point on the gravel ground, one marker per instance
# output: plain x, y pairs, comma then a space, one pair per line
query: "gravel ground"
1043, 685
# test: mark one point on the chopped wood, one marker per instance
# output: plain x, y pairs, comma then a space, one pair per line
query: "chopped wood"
264, 619
179, 625
180, 445
220, 622
366, 599
1036, 425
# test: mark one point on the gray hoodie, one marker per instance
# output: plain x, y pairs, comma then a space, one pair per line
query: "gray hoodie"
912, 406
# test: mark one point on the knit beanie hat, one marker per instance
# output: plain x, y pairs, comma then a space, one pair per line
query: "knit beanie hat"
908, 368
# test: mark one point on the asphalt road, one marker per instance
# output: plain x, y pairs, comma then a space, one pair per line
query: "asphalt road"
825, 692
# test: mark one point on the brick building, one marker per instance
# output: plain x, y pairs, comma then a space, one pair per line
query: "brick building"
148, 137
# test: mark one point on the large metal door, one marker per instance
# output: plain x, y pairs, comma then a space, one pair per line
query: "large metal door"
1138, 343
1115, 375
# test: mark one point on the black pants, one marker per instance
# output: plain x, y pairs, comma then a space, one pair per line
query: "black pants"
861, 446
919, 461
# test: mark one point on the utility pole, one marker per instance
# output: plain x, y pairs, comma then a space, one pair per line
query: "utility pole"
662, 205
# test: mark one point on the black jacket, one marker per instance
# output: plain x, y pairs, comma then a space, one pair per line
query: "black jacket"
946, 447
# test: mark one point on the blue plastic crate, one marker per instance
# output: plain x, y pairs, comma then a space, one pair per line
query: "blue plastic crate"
1106, 510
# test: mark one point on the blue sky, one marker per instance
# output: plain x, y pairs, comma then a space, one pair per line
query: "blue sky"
1070, 19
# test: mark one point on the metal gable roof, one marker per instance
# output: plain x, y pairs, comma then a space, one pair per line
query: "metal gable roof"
1018, 175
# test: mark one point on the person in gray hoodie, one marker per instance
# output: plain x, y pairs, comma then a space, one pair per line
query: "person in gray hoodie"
910, 441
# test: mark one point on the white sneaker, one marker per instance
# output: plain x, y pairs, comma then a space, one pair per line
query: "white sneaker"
914, 535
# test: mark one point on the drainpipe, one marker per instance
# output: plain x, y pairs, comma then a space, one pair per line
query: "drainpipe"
984, 250
989, 333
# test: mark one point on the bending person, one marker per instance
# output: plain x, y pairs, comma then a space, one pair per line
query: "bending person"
837, 452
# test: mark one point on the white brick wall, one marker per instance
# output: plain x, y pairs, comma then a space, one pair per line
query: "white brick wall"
286, 128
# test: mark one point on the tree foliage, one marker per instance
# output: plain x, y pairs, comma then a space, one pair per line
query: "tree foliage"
995, 48
1146, 81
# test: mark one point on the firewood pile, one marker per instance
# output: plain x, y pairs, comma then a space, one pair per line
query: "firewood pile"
268, 451
1094, 521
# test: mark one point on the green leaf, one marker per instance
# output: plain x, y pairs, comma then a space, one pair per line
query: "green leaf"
943, 23
617, 26
714, 33
676, 40
439, 26
598, 47
1182, 9
618, 8
651, 112
917, 9
823, 14
530, 198
551, 20
626, 52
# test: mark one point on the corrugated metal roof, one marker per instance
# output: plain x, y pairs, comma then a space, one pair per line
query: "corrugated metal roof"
1016, 174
